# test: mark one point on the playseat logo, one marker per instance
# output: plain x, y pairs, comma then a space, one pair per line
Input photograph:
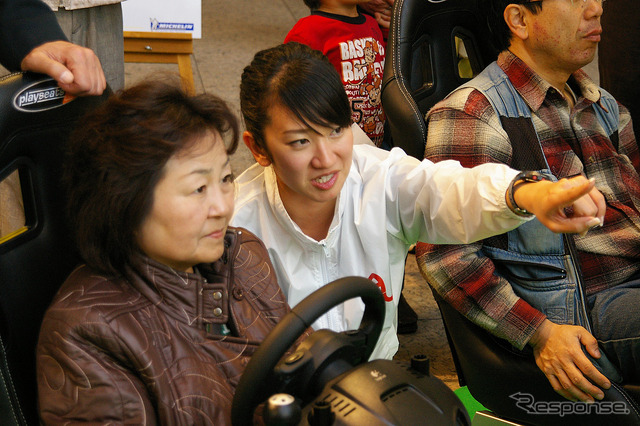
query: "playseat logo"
527, 403
40, 96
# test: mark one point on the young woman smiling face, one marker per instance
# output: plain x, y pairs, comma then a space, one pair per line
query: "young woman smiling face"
311, 163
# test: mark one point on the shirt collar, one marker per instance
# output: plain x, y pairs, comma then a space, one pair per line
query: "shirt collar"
273, 195
534, 89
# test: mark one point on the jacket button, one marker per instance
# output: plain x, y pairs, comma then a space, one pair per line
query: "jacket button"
217, 312
217, 295
237, 293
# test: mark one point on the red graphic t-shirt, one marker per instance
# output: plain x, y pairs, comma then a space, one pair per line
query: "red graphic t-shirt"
356, 49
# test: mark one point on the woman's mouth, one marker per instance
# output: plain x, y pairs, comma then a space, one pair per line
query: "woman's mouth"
325, 181
216, 234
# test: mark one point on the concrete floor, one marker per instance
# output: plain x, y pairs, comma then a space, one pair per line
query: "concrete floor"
232, 32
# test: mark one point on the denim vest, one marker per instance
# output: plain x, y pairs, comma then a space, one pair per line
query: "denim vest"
540, 265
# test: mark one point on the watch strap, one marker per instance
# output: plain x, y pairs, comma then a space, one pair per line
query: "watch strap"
519, 179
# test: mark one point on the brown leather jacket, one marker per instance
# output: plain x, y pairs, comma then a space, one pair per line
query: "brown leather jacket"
144, 350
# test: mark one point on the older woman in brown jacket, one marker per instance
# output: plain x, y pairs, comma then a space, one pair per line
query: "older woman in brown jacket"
159, 323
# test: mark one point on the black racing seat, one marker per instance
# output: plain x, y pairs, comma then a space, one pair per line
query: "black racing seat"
433, 47
35, 121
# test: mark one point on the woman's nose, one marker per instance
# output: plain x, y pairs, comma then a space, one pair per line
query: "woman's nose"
221, 203
323, 155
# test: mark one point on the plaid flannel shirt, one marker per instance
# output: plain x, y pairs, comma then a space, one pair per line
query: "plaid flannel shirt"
465, 127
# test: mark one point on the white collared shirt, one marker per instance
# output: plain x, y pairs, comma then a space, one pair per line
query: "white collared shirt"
389, 201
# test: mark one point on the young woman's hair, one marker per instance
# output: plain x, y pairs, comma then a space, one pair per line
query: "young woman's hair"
117, 156
493, 13
298, 78
312, 4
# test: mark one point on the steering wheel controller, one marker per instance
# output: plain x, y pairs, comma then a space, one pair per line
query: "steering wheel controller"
327, 380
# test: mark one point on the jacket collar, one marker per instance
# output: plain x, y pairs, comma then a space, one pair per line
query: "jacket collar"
192, 298
275, 203
534, 89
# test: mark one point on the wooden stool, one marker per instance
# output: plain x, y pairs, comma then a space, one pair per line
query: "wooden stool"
159, 47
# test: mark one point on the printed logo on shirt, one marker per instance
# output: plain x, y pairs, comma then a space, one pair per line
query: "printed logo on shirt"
383, 288
361, 58
362, 64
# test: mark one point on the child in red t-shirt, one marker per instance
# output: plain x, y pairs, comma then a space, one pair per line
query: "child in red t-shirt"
354, 44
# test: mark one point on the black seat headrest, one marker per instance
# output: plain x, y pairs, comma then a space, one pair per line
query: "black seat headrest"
36, 118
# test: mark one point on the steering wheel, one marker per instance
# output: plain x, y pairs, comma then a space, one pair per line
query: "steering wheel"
254, 386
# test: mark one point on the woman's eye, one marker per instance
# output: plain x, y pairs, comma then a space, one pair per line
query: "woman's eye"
299, 142
337, 131
229, 178
201, 189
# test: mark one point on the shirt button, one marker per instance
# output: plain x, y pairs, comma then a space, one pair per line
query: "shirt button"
237, 293
217, 295
217, 312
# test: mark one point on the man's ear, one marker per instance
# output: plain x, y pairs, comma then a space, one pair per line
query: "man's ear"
258, 153
516, 19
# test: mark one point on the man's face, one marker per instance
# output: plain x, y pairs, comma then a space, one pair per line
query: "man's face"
564, 35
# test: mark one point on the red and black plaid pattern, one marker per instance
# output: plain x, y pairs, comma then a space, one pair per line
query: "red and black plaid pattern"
464, 127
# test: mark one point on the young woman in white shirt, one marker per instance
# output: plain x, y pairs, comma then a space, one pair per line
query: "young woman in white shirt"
327, 204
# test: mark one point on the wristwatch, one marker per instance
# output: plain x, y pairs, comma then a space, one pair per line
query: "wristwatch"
522, 178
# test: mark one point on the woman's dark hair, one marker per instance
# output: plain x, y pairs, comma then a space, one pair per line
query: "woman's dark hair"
117, 156
298, 78
312, 4
493, 13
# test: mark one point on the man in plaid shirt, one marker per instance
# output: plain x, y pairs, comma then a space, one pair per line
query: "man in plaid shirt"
544, 44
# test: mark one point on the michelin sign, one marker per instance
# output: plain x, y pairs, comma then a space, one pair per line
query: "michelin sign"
163, 16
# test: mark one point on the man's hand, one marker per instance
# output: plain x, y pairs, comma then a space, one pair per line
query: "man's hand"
548, 201
76, 69
558, 353
381, 10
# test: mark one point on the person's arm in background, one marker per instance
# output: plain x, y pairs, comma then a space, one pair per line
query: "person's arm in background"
31, 40
381, 10
467, 279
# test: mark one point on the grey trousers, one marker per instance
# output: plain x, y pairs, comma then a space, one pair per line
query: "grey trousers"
100, 29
